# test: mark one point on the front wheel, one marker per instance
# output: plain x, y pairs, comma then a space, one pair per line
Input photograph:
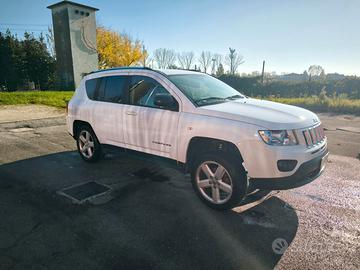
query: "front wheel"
88, 145
219, 180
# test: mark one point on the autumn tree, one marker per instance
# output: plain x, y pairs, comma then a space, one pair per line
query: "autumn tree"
205, 60
115, 49
233, 60
164, 58
186, 59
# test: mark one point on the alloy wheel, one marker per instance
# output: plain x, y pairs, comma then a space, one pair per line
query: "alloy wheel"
214, 182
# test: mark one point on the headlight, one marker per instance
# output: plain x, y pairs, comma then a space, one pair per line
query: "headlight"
278, 137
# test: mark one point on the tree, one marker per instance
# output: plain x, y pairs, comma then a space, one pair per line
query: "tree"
205, 60
233, 60
50, 42
186, 59
11, 70
315, 71
220, 70
164, 57
145, 59
23, 61
38, 63
115, 49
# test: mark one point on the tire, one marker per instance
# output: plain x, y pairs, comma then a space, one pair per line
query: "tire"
88, 145
219, 180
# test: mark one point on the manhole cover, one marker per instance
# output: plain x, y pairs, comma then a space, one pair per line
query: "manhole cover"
83, 192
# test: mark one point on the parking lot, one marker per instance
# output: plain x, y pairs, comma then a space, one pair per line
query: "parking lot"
153, 219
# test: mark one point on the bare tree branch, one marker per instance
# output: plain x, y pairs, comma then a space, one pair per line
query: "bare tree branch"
164, 57
186, 59
315, 71
234, 60
205, 60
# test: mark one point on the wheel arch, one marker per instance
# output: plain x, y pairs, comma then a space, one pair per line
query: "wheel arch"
205, 144
79, 123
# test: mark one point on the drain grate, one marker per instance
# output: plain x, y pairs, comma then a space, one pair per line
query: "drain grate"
83, 192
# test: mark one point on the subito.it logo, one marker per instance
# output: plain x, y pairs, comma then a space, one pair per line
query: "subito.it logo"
279, 246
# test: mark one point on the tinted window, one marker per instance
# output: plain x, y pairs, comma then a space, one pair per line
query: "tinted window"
90, 86
114, 89
109, 89
142, 91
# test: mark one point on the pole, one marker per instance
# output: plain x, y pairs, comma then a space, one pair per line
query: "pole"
262, 74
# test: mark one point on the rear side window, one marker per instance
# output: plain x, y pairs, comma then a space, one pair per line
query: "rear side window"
90, 86
108, 89
114, 89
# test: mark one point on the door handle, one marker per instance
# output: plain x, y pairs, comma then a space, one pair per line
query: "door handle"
131, 113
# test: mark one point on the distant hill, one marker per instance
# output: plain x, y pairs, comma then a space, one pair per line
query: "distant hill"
296, 77
335, 76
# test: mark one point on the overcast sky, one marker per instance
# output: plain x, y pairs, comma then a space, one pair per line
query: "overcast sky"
289, 35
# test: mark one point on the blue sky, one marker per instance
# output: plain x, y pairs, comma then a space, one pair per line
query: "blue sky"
289, 35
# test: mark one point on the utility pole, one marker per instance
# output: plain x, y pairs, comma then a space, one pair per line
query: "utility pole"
144, 52
262, 74
213, 66
232, 56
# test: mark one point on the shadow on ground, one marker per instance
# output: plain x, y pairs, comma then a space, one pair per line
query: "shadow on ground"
153, 221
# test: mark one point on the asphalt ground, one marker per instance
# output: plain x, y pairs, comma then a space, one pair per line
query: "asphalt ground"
153, 220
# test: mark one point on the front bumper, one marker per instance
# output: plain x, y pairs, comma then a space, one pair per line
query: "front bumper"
306, 173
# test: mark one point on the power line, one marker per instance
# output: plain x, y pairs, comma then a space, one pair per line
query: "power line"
22, 29
24, 24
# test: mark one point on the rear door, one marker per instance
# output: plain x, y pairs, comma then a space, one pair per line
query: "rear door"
108, 109
149, 128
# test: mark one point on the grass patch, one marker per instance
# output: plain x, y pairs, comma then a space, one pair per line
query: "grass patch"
328, 104
50, 98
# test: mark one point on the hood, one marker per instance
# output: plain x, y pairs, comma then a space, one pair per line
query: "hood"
267, 114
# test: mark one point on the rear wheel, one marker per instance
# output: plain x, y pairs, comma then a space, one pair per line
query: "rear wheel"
88, 145
219, 180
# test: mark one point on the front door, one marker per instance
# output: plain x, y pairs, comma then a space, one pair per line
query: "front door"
149, 128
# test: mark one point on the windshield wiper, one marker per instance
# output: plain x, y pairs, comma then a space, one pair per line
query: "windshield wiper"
209, 99
235, 97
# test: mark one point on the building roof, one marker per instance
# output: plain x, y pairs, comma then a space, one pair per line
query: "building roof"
71, 3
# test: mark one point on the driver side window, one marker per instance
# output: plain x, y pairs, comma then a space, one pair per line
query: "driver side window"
142, 91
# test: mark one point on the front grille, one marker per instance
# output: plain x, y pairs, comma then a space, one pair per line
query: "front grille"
314, 135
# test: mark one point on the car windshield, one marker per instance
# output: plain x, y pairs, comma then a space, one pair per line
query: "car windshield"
203, 89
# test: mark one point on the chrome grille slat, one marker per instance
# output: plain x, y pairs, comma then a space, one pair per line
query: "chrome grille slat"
314, 135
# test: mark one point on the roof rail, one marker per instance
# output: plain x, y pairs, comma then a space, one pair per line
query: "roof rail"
119, 68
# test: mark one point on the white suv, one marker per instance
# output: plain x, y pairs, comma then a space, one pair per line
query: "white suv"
231, 144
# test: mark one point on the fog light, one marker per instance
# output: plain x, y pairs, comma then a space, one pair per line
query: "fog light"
286, 165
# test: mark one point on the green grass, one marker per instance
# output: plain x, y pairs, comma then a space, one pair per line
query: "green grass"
59, 99
316, 104
50, 98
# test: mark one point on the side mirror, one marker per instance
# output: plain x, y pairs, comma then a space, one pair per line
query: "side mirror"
166, 101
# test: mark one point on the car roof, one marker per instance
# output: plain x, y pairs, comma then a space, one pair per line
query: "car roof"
163, 71
178, 71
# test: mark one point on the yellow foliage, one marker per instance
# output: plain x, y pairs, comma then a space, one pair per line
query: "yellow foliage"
117, 49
